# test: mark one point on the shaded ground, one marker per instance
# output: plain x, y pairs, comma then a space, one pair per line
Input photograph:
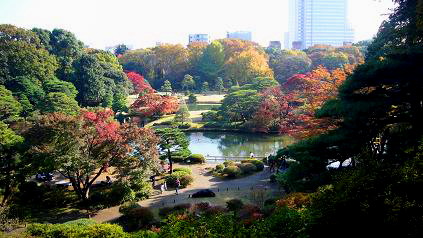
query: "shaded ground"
241, 188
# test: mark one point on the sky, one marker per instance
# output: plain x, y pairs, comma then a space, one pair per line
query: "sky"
142, 23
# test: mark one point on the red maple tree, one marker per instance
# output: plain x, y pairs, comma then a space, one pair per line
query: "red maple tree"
140, 85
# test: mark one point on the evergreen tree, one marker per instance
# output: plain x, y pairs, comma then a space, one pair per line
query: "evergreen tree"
166, 87
218, 85
182, 115
205, 87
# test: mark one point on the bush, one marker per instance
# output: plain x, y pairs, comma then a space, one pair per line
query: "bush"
229, 163
247, 168
234, 204
259, 164
196, 159
142, 188
272, 178
127, 207
210, 116
201, 207
192, 99
183, 125
144, 234
177, 209
232, 171
121, 192
215, 210
184, 169
82, 222
183, 177
76, 231
219, 168
138, 218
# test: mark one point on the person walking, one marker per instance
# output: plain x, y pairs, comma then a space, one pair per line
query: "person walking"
165, 185
251, 155
162, 188
177, 184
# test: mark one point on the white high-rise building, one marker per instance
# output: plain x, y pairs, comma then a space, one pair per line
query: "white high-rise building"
314, 22
199, 38
243, 35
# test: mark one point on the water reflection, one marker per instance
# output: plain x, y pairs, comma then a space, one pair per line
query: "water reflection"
235, 144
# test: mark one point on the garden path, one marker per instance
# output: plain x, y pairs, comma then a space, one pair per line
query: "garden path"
225, 189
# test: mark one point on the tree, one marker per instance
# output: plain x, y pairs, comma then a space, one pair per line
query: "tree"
240, 105
247, 65
81, 147
89, 80
151, 104
119, 102
205, 87
9, 160
188, 84
211, 62
120, 49
139, 83
218, 84
182, 115
10, 108
60, 102
287, 63
171, 140
166, 87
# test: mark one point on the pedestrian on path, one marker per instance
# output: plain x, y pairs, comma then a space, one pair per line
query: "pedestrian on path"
162, 188
165, 185
177, 184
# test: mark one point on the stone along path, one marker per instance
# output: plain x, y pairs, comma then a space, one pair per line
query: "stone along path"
224, 189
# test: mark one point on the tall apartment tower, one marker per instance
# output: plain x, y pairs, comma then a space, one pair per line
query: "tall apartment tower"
314, 22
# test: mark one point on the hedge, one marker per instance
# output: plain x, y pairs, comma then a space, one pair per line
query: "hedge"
196, 159
184, 177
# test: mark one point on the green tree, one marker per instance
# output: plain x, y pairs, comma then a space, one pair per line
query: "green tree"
188, 84
240, 106
89, 80
218, 85
9, 160
287, 63
192, 99
182, 115
171, 140
120, 102
212, 60
60, 102
120, 49
166, 87
10, 108
205, 87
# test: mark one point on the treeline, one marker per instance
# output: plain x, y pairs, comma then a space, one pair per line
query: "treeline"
51, 71
230, 62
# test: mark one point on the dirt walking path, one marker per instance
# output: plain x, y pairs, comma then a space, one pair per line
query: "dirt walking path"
224, 189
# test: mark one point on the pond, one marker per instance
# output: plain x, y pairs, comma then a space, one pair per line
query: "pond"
235, 144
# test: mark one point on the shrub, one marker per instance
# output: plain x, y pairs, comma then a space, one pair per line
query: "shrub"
81, 222
76, 231
220, 167
215, 210
234, 204
192, 99
196, 159
259, 164
272, 178
229, 163
294, 200
183, 177
185, 169
177, 209
183, 125
247, 168
144, 234
142, 188
121, 192
201, 207
127, 207
138, 218
232, 171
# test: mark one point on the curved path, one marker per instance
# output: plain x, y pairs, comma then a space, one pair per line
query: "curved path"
225, 188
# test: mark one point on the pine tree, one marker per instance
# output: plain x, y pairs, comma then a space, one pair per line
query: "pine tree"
182, 115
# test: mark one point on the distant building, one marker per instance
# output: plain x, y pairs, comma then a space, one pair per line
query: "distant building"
275, 44
243, 35
199, 38
314, 22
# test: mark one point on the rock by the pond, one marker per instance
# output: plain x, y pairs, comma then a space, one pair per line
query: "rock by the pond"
204, 194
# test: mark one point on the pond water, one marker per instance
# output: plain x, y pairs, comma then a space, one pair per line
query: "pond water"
235, 144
